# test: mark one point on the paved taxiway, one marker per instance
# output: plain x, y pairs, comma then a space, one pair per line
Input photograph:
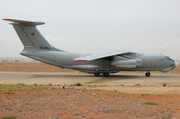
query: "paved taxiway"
151, 84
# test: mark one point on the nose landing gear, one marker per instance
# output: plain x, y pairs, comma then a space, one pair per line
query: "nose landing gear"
148, 74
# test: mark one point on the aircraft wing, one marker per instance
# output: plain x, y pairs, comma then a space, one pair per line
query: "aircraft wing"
101, 55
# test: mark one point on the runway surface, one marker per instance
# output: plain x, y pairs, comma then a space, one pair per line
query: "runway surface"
151, 85
72, 78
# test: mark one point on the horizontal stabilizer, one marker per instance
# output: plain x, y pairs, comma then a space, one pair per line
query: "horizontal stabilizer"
24, 23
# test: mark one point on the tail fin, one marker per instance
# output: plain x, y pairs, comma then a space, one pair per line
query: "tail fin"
29, 35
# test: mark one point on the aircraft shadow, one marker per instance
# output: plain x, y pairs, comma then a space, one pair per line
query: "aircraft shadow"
114, 78
102, 77
60, 75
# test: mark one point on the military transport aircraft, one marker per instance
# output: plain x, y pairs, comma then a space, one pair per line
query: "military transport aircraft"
38, 48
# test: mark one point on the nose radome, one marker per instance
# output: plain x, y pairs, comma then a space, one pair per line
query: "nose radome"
176, 63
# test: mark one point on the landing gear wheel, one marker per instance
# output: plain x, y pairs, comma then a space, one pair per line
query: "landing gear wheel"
106, 74
148, 74
96, 74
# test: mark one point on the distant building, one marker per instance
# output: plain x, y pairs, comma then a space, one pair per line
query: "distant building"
17, 60
5, 60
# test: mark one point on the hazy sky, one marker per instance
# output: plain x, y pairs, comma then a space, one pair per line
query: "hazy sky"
90, 26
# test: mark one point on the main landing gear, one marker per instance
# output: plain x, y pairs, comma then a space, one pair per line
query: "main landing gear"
148, 74
106, 74
97, 74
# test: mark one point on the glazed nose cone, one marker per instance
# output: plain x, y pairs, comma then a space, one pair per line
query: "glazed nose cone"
176, 63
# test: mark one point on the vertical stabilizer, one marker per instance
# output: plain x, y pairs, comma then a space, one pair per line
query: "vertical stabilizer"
29, 35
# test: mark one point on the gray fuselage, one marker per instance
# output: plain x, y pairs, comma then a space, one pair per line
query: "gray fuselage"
64, 59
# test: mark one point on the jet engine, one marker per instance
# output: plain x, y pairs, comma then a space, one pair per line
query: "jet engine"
129, 63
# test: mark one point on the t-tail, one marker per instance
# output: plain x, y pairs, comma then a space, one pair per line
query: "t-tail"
35, 45
29, 35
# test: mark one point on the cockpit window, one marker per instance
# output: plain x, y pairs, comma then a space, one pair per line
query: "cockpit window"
168, 58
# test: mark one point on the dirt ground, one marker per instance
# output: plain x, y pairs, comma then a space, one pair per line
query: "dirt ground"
87, 102
52, 102
30, 67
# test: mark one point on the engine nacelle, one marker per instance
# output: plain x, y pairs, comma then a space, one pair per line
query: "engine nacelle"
130, 63
139, 62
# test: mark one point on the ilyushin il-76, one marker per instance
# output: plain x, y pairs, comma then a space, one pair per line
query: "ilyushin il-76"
38, 48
